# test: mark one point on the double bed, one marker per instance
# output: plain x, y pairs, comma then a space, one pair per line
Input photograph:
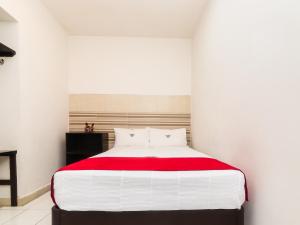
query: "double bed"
186, 187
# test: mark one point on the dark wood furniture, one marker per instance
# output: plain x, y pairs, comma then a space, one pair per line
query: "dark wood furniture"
83, 145
13, 175
176, 217
6, 51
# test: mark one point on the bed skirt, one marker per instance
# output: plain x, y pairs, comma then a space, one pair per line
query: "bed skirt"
175, 217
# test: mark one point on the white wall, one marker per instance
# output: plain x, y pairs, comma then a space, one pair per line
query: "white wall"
43, 101
9, 88
128, 65
245, 99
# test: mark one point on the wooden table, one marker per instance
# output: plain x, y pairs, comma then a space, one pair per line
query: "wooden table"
12, 182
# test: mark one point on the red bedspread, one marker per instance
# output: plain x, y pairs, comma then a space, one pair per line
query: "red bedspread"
148, 164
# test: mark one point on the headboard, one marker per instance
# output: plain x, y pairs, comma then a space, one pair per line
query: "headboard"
129, 111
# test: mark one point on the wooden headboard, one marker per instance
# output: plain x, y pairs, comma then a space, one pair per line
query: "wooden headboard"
127, 111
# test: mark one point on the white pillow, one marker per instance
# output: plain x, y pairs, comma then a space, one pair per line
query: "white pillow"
131, 137
164, 137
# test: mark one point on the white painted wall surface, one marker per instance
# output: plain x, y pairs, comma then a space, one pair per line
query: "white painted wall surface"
43, 102
246, 99
128, 65
9, 88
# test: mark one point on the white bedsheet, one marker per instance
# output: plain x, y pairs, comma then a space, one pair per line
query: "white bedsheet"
149, 190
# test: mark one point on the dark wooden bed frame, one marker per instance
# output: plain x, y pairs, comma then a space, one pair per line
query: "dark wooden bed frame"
175, 217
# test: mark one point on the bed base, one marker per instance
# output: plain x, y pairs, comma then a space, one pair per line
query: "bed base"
177, 217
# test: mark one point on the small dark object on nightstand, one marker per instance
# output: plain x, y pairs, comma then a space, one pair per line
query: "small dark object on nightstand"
89, 128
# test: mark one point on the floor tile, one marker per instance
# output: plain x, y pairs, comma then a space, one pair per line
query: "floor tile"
35, 212
11, 208
46, 221
6, 214
29, 217
42, 203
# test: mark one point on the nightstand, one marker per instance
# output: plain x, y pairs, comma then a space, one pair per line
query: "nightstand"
84, 145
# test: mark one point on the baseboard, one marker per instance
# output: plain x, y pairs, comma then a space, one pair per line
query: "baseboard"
23, 200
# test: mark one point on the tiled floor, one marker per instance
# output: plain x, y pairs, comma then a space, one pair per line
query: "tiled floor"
36, 212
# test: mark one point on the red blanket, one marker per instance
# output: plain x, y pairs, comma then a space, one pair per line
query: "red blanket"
148, 164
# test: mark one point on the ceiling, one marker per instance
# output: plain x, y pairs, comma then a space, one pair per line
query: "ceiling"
159, 18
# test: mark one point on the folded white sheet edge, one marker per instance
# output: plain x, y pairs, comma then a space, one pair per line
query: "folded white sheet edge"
103, 190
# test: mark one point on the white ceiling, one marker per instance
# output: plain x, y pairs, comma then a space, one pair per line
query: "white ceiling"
160, 18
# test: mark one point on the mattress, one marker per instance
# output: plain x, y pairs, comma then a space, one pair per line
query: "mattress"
105, 190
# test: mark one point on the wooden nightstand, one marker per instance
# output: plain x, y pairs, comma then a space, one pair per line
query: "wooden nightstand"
83, 145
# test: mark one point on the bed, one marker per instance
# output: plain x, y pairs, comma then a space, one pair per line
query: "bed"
144, 185
119, 197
